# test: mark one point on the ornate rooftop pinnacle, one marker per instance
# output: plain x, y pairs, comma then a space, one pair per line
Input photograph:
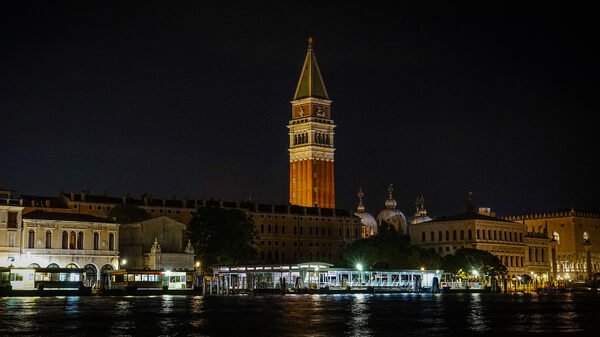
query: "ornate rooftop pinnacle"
361, 194
390, 203
420, 204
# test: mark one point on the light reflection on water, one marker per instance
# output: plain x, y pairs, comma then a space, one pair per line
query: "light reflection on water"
359, 317
302, 315
476, 318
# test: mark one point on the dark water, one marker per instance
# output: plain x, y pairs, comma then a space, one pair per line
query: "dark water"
567, 314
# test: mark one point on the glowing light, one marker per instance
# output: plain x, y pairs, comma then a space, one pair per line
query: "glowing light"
198, 264
168, 273
123, 262
359, 266
422, 268
475, 273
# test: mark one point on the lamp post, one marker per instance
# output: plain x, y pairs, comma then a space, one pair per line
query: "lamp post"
360, 268
198, 273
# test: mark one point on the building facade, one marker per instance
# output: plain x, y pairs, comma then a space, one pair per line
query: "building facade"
11, 212
574, 249
311, 139
507, 240
158, 243
64, 240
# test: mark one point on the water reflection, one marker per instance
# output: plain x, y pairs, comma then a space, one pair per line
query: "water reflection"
301, 315
122, 323
359, 317
476, 319
196, 305
19, 314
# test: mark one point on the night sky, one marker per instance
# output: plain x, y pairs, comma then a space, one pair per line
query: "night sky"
193, 101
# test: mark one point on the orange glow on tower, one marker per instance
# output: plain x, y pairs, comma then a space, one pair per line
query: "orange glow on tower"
311, 139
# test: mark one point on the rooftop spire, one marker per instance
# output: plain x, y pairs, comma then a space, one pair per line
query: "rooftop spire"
420, 203
361, 194
311, 82
390, 203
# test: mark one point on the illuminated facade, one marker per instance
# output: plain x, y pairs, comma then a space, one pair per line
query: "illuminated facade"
520, 251
311, 139
62, 240
574, 249
11, 212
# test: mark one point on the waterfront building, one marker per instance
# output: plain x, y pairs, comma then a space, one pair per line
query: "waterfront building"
65, 240
311, 138
287, 233
11, 212
158, 243
507, 240
292, 234
574, 249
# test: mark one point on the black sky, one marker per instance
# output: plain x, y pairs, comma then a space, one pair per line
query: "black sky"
192, 99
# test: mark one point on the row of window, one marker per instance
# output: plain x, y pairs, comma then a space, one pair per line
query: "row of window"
107, 208
268, 216
310, 244
481, 234
312, 231
71, 240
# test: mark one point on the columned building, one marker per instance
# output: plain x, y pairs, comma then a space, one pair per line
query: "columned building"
311, 139
574, 249
65, 240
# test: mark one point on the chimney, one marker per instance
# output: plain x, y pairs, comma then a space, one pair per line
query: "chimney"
47, 203
124, 199
145, 198
72, 196
82, 195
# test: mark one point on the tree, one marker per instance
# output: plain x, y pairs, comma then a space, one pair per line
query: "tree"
222, 236
466, 260
127, 214
390, 249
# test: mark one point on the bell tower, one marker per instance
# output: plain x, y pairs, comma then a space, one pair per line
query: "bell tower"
311, 139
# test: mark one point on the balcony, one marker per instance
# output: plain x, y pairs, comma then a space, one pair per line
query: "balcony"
81, 252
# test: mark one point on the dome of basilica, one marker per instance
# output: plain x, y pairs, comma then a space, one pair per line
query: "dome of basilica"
391, 215
366, 219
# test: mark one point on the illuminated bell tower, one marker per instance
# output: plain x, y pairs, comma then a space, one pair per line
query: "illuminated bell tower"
311, 139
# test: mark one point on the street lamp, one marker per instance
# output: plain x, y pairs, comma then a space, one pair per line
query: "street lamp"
360, 268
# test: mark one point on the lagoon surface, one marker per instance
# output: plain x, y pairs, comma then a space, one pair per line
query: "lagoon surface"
566, 314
